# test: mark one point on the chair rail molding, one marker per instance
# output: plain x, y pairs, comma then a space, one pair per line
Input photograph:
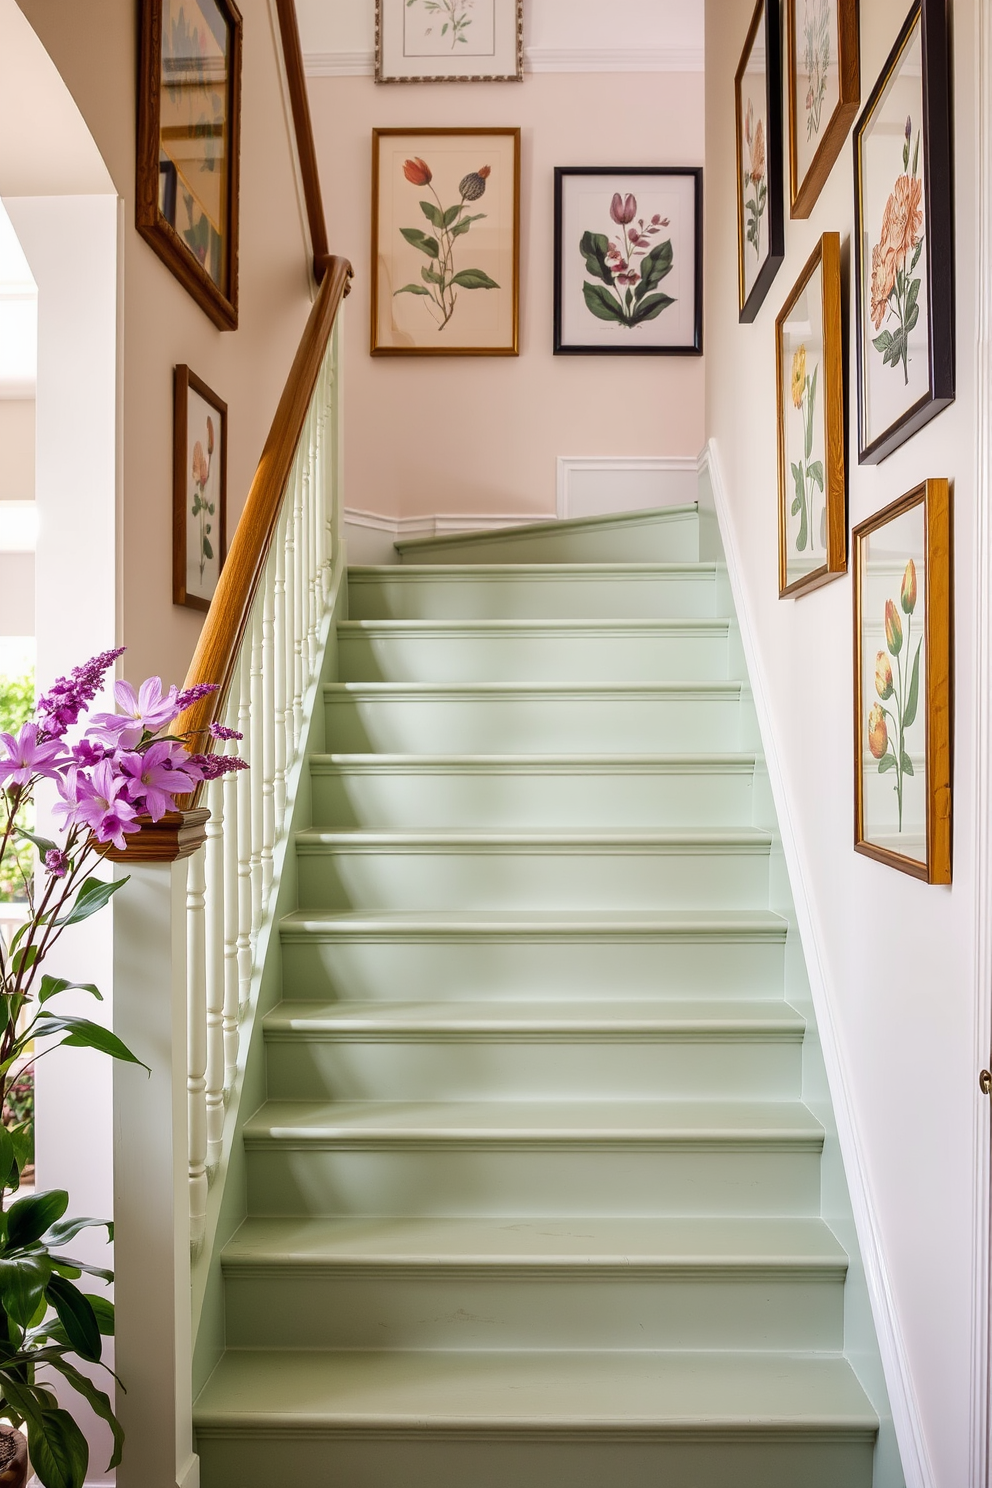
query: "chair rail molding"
895, 1361
623, 483
536, 59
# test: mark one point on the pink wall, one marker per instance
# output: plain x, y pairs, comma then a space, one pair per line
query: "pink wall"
505, 419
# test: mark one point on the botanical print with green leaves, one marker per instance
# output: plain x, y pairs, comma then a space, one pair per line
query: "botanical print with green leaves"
807, 473
816, 60
890, 719
628, 267
441, 281
203, 508
895, 258
454, 17
755, 178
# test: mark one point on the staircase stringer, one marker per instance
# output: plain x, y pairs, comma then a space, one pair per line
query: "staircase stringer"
227, 1200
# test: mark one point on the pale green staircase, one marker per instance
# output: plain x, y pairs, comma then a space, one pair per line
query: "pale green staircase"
534, 1201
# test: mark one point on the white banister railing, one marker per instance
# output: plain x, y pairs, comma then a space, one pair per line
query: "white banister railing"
230, 877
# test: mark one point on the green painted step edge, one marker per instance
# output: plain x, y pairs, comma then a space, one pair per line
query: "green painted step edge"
579, 629
655, 516
673, 691
305, 926
540, 764
448, 573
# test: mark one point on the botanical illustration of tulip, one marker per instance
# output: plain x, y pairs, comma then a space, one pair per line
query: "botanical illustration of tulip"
816, 60
440, 281
454, 15
894, 292
900, 689
202, 507
806, 472
754, 176
629, 265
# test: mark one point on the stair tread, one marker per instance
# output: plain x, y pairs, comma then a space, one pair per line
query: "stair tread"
690, 836
529, 1120
670, 1016
577, 1390
516, 922
678, 1243
592, 688
413, 572
708, 625
545, 763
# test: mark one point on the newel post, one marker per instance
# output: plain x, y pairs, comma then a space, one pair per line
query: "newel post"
151, 1190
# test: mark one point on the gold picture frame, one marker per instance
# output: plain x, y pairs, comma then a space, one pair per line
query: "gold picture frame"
903, 684
812, 477
445, 242
830, 36
199, 490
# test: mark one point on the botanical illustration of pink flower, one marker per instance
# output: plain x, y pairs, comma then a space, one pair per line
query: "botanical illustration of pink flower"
894, 258
754, 177
629, 263
202, 506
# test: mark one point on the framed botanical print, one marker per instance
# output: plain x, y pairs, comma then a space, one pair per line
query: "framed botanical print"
760, 205
449, 41
823, 58
445, 242
628, 261
199, 491
903, 240
812, 485
902, 668
189, 113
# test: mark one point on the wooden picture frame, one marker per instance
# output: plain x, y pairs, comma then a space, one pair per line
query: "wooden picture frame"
758, 116
445, 242
824, 97
188, 150
904, 239
903, 682
199, 490
812, 480
449, 41
628, 260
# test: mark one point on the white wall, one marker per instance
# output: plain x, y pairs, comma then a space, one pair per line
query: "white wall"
897, 955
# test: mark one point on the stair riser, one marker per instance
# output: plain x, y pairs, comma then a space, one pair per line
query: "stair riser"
693, 1457
403, 798
580, 878
393, 968
508, 596
299, 1069
480, 1311
672, 539
461, 1179
526, 724
578, 657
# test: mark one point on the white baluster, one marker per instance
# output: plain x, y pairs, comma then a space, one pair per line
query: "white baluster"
289, 547
214, 935
231, 892
268, 730
279, 673
299, 619
244, 836
196, 1036
256, 771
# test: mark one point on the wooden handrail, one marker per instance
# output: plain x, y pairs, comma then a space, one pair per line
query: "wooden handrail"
296, 78
223, 630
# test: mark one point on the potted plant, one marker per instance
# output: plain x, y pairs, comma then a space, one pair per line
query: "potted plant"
111, 775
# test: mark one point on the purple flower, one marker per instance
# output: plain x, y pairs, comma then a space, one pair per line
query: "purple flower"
141, 712
210, 766
72, 788
69, 696
100, 806
622, 211
57, 862
220, 731
87, 753
152, 780
194, 694
29, 755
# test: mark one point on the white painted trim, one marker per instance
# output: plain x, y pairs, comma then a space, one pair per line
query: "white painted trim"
614, 464
439, 524
980, 1341
19, 391
294, 147
895, 1362
18, 526
536, 59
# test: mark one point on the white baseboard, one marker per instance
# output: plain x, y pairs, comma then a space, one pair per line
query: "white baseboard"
594, 486
895, 1362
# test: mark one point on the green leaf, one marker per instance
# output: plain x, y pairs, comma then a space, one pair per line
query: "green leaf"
886, 763
77, 1318
434, 217
812, 405
894, 352
883, 342
418, 239
103, 1311
474, 279
594, 248
208, 551
916, 154
913, 697
815, 472
650, 308
59, 1454
43, 844
6, 1156
22, 1285
912, 294
907, 764
465, 223
68, 1229
411, 289
449, 215
797, 502
99, 1403
916, 255
431, 276
656, 265
602, 304
52, 986
29, 1218
83, 1034
93, 895
799, 505
72, 1268
23, 959
912, 318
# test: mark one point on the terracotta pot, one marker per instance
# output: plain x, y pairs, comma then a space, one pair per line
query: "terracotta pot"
14, 1467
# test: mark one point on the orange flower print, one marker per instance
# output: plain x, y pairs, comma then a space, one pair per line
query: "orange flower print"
894, 259
758, 153
201, 467
878, 734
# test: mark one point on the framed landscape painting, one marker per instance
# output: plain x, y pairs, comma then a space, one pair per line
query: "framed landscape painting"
823, 60
812, 484
628, 261
760, 205
902, 667
199, 491
447, 41
903, 239
445, 242
189, 111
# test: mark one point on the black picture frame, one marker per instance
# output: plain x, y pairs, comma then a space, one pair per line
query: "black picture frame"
766, 18
934, 140
567, 274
